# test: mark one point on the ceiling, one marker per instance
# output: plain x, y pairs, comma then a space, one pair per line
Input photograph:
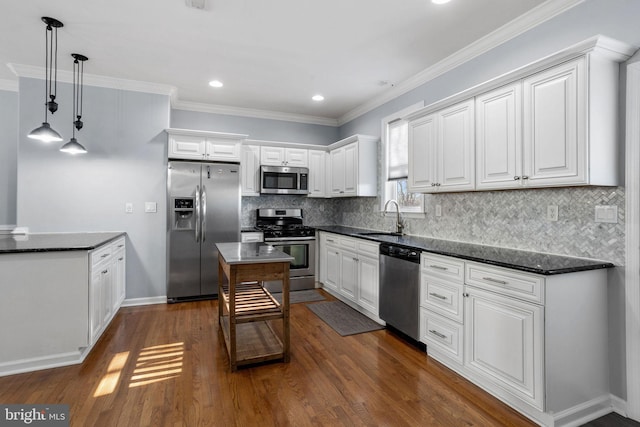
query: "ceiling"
272, 56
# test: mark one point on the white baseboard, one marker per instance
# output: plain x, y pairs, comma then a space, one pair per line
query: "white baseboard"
133, 302
619, 406
585, 412
38, 363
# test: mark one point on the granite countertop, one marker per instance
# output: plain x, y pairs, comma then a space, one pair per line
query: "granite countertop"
55, 242
251, 253
532, 262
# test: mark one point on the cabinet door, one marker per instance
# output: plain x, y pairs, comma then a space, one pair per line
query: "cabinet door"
368, 283
337, 171
221, 149
554, 122
422, 154
106, 298
273, 156
456, 147
333, 268
296, 157
499, 138
317, 173
351, 169
250, 164
504, 343
95, 305
119, 278
186, 147
348, 274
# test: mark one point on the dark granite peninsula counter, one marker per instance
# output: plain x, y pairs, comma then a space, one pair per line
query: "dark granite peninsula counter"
60, 292
50, 242
532, 262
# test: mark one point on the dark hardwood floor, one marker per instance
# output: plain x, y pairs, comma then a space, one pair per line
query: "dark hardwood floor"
166, 365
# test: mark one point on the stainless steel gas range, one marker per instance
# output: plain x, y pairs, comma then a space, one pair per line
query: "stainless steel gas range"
284, 229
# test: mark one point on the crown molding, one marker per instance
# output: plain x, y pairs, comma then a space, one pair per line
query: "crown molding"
9, 85
254, 113
510, 30
34, 72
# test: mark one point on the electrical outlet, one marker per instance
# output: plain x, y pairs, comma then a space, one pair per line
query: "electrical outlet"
150, 207
128, 207
552, 213
438, 210
607, 214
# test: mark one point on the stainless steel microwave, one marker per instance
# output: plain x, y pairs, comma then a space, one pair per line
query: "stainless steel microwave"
284, 180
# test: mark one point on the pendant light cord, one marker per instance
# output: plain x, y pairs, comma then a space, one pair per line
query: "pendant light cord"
75, 111
47, 69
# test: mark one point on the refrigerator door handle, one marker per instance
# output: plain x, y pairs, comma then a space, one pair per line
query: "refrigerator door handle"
203, 198
197, 227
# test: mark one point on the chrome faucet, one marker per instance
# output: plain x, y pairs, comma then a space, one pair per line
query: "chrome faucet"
399, 220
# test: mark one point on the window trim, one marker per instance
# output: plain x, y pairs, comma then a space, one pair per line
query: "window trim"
384, 184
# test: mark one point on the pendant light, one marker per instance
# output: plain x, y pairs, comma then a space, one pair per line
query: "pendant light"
45, 133
73, 146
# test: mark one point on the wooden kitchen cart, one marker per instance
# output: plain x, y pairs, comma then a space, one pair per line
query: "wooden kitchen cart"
246, 310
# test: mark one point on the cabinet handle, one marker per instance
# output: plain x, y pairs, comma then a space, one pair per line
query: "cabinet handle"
515, 178
439, 267
332, 241
438, 334
119, 246
491, 279
355, 259
337, 253
465, 294
438, 184
525, 177
341, 191
105, 271
105, 255
120, 259
433, 184
442, 297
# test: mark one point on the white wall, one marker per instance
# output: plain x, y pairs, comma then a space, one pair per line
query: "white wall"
8, 156
57, 192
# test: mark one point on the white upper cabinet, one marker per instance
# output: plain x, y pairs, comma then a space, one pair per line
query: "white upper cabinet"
281, 156
201, 145
353, 164
499, 138
317, 173
556, 139
550, 123
250, 167
441, 150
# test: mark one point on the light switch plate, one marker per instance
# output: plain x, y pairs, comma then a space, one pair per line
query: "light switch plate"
552, 212
150, 207
128, 207
607, 214
438, 210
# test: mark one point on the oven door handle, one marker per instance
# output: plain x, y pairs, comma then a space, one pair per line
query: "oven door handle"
289, 239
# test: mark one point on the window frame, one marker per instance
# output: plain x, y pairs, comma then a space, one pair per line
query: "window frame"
388, 189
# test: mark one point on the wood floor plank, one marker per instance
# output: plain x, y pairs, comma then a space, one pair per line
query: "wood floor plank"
166, 365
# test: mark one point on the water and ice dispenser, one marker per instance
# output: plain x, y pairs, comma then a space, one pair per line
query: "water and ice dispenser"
184, 213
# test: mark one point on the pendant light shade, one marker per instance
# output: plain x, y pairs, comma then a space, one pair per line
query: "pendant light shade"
45, 133
73, 146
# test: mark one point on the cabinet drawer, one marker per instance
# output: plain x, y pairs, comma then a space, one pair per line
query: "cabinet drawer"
441, 296
348, 243
118, 244
442, 334
100, 255
507, 282
368, 248
331, 239
445, 267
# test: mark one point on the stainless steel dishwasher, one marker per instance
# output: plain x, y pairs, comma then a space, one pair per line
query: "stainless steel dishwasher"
400, 288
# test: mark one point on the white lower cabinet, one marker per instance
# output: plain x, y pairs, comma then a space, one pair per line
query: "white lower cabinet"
106, 286
349, 270
539, 343
504, 343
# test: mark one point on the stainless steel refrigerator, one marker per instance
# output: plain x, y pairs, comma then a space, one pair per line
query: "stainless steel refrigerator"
204, 208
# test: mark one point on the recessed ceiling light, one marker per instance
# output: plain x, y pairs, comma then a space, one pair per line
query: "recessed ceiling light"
318, 98
439, 1
215, 83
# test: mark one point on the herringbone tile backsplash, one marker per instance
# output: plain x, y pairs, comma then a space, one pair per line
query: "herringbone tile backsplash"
513, 219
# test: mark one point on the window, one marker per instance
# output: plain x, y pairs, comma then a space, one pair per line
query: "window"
395, 163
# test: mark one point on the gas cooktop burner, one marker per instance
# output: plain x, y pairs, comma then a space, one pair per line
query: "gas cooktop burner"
281, 223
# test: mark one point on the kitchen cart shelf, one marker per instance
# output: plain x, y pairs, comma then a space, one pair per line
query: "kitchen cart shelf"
249, 316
